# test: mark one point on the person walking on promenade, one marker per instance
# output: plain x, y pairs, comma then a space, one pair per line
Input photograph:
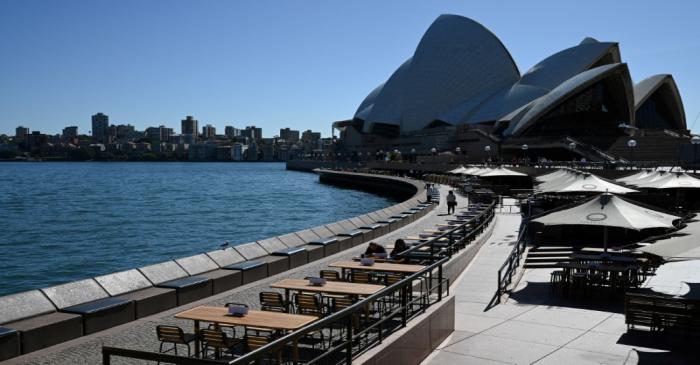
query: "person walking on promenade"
451, 202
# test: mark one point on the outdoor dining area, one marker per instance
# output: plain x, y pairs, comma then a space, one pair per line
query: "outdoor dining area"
233, 330
600, 218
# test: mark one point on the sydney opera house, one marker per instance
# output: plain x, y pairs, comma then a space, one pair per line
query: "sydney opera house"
462, 88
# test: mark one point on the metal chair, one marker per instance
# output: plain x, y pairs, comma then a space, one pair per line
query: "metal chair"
174, 335
361, 277
253, 342
310, 304
330, 275
218, 341
272, 301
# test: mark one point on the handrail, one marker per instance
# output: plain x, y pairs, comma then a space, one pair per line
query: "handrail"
511, 264
449, 234
357, 307
407, 302
403, 286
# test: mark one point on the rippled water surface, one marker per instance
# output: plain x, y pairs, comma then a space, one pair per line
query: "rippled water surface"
61, 222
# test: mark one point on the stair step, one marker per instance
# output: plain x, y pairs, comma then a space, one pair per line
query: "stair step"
540, 266
554, 248
549, 254
548, 259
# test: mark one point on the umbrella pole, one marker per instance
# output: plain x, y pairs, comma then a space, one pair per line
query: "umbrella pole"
605, 239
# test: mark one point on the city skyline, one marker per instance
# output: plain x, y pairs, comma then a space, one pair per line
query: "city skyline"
175, 126
274, 64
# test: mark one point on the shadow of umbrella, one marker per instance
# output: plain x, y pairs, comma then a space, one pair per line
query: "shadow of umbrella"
693, 293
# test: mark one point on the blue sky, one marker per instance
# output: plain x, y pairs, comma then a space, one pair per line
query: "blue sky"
299, 63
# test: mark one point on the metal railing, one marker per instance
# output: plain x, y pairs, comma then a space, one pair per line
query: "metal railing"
509, 267
360, 326
390, 308
452, 240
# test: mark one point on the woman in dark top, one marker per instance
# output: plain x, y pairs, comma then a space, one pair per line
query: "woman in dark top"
399, 246
373, 249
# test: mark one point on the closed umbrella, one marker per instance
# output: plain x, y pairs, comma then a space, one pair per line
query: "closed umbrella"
607, 210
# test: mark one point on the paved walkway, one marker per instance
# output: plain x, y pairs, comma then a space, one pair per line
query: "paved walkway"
141, 334
535, 326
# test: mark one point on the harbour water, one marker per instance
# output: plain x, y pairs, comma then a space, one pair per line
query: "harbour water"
61, 222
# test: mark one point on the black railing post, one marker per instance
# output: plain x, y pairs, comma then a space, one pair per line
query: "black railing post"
348, 346
498, 291
439, 283
106, 359
404, 307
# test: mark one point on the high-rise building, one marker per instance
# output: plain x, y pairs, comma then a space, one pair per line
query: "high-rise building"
208, 131
126, 132
153, 133
252, 132
69, 134
232, 132
309, 136
289, 135
21, 132
165, 133
100, 128
190, 128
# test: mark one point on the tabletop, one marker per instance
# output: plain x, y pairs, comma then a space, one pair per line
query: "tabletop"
332, 287
378, 266
574, 265
254, 318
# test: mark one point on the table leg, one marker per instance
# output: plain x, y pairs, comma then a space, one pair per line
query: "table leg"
289, 300
196, 339
295, 351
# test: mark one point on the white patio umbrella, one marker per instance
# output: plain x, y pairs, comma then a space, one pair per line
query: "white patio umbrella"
674, 180
478, 171
563, 180
458, 170
653, 176
607, 210
636, 176
470, 171
501, 171
587, 183
552, 175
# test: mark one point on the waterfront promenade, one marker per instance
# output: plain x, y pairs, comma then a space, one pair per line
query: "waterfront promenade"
535, 326
141, 334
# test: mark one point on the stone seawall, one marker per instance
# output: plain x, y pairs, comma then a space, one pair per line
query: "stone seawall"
39, 318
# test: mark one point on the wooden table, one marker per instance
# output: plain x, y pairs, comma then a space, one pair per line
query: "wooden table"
254, 318
378, 266
331, 287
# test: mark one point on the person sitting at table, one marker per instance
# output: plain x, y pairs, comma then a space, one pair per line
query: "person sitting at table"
399, 246
373, 249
